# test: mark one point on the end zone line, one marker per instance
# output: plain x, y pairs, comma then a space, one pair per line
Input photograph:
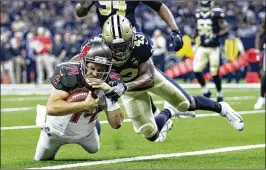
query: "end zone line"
128, 120
158, 156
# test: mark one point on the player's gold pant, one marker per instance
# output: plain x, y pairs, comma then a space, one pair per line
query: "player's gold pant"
138, 105
204, 55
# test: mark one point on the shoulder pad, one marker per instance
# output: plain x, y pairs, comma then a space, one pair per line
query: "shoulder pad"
114, 77
69, 74
143, 47
197, 14
218, 12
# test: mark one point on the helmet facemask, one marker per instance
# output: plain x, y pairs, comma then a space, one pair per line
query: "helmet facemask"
121, 51
95, 69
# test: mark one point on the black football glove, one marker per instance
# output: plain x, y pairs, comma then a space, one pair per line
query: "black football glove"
177, 39
118, 88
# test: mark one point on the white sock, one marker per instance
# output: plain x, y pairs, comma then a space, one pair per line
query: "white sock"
219, 94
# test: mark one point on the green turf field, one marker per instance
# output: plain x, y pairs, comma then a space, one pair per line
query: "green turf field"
202, 134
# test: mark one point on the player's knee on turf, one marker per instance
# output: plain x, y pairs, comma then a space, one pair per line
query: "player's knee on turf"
46, 155
92, 150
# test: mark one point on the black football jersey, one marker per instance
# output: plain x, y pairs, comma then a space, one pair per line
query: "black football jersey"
105, 9
207, 26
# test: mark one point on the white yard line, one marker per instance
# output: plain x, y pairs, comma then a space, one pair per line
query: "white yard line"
17, 109
128, 120
155, 102
151, 157
22, 99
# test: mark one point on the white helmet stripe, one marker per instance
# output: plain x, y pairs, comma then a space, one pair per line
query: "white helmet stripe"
116, 32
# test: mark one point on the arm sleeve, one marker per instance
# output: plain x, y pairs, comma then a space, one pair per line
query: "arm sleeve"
155, 5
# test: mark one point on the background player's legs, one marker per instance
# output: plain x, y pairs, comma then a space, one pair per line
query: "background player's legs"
47, 147
91, 142
214, 66
199, 63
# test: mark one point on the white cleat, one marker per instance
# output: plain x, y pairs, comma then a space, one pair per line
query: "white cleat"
232, 116
259, 104
176, 113
162, 135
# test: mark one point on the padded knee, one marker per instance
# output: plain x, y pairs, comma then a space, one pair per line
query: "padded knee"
148, 130
184, 106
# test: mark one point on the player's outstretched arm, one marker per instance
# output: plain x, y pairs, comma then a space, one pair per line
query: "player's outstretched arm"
83, 7
58, 106
168, 17
145, 79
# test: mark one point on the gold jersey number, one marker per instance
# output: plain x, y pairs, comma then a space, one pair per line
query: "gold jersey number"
121, 7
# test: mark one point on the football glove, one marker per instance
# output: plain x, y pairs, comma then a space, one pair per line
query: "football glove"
177, 39
85, 3
116, 91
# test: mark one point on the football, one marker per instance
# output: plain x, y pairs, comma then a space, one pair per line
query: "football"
77, 96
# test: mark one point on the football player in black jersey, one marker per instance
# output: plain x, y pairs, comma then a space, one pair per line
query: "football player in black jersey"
105, 9
131, 54
210, 25
74, 122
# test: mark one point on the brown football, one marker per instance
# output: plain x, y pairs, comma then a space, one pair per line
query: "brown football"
77, 96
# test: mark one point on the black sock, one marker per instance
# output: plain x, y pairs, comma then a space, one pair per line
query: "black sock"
153, 107
162, 118
218, 82
203, 103
154, 137
98, 127
200, 78
262, 86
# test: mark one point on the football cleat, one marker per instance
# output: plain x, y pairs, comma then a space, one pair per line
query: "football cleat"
208, 94
175, 113
162, 135
220, 99
259, 104
232, 116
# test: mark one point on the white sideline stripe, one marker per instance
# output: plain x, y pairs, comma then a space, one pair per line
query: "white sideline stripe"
44, 89
155, 102
17, 109
128, 120
226, 99
158, 102
21, 99
158, 156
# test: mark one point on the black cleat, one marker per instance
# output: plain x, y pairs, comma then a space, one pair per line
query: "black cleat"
208, 94
220, 99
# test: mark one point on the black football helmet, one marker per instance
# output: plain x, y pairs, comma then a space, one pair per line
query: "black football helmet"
206, 5
96, 52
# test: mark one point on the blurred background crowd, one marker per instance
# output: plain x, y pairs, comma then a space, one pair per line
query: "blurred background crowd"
31, 29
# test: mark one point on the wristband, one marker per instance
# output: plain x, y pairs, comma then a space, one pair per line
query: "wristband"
111, 106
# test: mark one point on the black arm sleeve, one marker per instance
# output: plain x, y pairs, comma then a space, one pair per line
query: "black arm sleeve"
155, 5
